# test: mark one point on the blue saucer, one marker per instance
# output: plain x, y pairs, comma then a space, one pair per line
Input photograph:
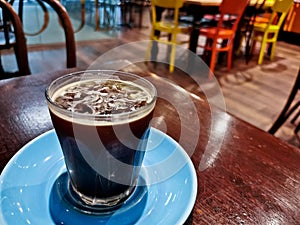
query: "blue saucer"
166, 194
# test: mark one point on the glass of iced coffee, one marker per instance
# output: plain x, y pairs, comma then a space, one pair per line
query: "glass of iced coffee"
102, 122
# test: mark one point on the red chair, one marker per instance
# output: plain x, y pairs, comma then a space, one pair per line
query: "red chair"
221, 37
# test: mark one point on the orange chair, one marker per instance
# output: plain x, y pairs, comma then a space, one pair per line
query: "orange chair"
221, 37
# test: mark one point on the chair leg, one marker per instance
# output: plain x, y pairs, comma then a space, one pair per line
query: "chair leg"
172, 59
22, 60
253, 46
229, 59
296, 116
153, 46
287, 111
1, 66
297, 128
205, 52
272, 50
284, 115
262, 51
152, 51
249, 42
173, 53
213, 60
239, 51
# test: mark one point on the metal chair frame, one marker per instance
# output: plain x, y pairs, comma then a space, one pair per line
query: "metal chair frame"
288, 109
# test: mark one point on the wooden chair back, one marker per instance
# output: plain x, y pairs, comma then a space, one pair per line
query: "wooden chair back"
68, 31
166, 4
282, 6
233, 8
20, 41
279, 11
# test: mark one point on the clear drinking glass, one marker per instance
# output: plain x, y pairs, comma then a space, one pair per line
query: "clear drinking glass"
102, 122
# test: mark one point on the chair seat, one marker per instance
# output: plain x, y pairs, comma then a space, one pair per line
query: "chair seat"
264, 26
259, 19
211, 32
228, 20
170, 27
262, 18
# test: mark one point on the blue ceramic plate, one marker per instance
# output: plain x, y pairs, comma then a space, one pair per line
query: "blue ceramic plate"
167, 196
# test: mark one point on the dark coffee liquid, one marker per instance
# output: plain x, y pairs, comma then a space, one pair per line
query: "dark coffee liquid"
87, 180
90, 147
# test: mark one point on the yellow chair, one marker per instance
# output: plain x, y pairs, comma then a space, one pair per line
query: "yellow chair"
268, 32
171, 27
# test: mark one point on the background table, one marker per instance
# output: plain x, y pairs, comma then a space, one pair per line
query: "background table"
245, 175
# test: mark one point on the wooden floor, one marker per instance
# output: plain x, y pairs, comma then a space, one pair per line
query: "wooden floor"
253, 93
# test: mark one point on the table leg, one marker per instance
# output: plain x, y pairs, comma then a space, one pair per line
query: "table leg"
197, 13
97, 17
1, 67
194, 39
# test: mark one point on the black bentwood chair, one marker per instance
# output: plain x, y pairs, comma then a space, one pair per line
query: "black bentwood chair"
67, 27
290, 107
18, 40
12, 36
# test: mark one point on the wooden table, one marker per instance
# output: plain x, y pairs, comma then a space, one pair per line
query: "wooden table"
245, 175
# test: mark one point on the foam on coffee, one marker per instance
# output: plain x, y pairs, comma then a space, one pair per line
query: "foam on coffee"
102, 97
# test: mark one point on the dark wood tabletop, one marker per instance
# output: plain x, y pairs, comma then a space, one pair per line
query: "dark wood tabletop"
245, 175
